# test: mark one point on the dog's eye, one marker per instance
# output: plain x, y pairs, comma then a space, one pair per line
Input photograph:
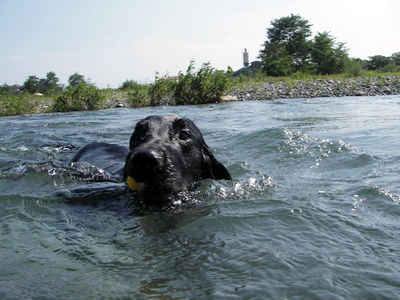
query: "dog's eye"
137, 138
184, 135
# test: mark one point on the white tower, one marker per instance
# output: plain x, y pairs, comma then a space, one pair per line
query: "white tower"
245, 58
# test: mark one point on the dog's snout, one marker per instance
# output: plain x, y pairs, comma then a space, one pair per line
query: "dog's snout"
143, 159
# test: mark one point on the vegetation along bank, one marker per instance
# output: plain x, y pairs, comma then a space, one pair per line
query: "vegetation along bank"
167, 92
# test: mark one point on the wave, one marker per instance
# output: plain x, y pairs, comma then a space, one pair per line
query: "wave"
282, 146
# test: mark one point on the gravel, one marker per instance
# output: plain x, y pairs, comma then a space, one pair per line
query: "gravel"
370, 86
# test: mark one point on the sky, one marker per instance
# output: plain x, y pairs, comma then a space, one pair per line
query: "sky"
112, 41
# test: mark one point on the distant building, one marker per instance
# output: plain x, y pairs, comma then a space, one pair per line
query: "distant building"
245, 58
167, 78
16, 88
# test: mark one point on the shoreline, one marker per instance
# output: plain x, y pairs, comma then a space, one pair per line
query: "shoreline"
318, 88
291, 89
263, 90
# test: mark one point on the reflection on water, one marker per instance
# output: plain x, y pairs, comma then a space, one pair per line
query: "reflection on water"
315, 194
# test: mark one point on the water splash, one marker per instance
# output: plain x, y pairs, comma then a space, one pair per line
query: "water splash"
17, 149
242, 189
302, 145
389, 194
81, 170
67, 148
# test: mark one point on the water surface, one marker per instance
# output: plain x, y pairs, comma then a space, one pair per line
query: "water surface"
313, 210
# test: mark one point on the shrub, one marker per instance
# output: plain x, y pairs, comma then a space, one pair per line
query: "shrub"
207, 85
161, 92
15, 105
21, 104
354, 68
138, 95
80, 97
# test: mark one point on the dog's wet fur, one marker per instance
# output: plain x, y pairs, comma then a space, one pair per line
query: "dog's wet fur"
166, 155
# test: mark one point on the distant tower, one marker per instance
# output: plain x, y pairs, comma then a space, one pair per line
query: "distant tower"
245, 58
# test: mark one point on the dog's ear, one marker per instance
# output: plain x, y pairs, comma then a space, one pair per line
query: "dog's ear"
212, 168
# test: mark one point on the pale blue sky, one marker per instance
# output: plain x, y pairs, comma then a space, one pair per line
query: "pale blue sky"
111, 41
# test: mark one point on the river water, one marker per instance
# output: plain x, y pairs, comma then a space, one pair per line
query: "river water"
313, 210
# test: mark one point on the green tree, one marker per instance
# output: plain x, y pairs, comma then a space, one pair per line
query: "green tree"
46, 85
290, 36
396, 58
328, 56
378, 62
31, 84
51, 84
5, 89
129, 84
275, 60
76, 79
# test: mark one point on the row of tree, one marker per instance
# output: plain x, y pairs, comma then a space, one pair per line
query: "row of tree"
49, 85
289, 48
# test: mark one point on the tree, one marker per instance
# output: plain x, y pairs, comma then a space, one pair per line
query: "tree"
378, 62
51, 80
76, 79
50, 83
31, 84
276, 61
129, 84
290, 36
328, 56
43, 85
396, 58
5, 89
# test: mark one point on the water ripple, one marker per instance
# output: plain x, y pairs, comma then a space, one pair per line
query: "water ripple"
315, 194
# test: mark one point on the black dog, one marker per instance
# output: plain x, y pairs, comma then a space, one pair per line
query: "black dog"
166, 155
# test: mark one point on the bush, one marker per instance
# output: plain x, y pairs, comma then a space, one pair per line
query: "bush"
15, 105
354, 68
80, 97
138, 95
207, 85
162, 92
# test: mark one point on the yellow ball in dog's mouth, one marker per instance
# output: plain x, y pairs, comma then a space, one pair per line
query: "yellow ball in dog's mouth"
132, 184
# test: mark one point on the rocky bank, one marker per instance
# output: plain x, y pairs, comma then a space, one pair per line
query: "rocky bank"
369, 86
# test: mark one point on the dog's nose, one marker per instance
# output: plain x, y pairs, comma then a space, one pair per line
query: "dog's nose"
142, 166
144, 160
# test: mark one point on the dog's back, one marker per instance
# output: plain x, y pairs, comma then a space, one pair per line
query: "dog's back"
109, 157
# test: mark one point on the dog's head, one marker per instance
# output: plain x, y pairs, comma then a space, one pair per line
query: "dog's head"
167, 155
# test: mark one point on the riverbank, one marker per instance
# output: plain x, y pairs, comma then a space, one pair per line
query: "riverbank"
316, 88
303, 88
249, 90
